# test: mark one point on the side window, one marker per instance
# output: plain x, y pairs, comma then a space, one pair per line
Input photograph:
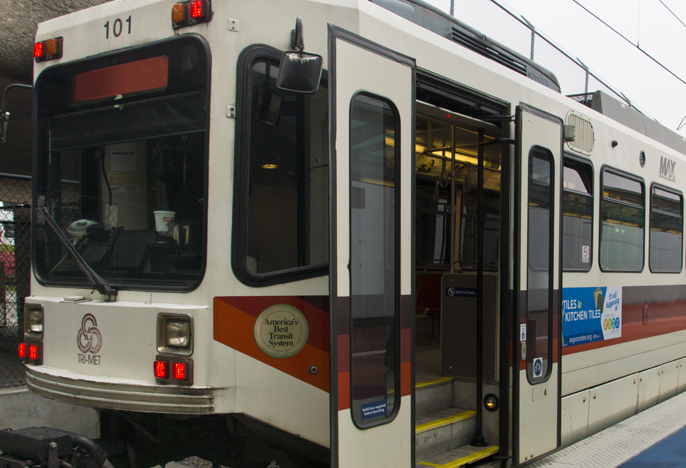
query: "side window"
622, 214
540, 265
577, 211
282, 172
374, 268
666, 230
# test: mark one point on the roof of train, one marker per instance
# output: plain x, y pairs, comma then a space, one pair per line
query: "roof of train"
441, 23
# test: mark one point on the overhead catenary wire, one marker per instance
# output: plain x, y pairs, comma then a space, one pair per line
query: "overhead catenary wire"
630, 42
673, 14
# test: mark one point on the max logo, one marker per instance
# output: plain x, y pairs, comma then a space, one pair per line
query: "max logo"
667, 169
89, 338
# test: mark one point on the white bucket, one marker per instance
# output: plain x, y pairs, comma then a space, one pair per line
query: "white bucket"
162, 220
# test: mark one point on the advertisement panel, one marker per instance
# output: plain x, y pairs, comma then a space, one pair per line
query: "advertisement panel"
591, 314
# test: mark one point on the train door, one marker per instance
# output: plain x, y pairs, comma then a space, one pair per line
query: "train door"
536, 401
371, 147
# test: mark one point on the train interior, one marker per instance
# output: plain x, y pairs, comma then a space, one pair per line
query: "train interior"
446, 230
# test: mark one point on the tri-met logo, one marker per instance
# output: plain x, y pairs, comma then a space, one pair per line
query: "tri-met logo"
89, 341
667, 169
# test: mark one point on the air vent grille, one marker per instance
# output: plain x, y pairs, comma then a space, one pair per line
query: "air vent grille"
584, 136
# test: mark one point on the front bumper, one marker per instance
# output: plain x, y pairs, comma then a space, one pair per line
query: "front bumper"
127, 396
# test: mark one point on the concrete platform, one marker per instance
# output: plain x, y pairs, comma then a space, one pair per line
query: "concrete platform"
622, 442
20, 408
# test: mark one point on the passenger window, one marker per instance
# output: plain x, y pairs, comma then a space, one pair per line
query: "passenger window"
540, 265
374, 226
622, 213
666, 230
577, 211
283, 177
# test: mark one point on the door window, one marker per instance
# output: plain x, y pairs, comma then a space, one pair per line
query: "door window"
374, 274
538, 311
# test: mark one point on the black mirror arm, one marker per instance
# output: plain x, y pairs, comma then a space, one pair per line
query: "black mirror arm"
297, 39
4, 115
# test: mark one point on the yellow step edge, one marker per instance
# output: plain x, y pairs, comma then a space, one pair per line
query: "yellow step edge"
444, 421
487, 452
433, 382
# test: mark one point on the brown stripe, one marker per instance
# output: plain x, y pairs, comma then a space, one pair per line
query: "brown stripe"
343, 353
405, 345
343, 390
343, 315
662, 318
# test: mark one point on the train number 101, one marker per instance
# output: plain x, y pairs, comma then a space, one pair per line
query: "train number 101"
117, 27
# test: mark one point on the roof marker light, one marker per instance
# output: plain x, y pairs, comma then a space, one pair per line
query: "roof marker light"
190, 13
48, 50
198, 9
38, 50
179, 14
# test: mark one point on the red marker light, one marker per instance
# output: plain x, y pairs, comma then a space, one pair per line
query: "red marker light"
38, 50
198, 9
180, 370
161, 370
33, 352
22, 350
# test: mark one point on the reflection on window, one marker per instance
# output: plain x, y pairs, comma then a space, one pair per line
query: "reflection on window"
374, 367
287, 193
577, 209
666, 230
622, 213
538, 312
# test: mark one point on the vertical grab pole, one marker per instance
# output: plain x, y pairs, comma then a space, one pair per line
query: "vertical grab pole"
479, 440
453, 206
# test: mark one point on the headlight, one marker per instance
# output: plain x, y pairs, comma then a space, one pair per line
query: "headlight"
178, 333
33, 320
175, 334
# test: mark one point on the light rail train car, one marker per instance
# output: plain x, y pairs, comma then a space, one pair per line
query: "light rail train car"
421, 255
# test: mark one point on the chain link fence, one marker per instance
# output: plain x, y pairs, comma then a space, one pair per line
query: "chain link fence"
15, 273
498, 23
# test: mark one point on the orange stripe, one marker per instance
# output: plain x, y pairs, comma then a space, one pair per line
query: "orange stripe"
235, 329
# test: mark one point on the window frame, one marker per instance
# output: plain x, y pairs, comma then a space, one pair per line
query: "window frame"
39, 146
650, 225
246, 60
589, 164
601, 199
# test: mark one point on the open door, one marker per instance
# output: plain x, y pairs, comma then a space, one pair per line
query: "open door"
371, 150
538, 175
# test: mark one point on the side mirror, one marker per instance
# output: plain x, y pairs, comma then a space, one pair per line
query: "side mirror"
299, 72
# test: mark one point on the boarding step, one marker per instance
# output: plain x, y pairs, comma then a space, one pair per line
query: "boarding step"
433, 395
460, 457
442, 431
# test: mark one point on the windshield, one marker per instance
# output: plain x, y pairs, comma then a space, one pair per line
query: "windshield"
121, 166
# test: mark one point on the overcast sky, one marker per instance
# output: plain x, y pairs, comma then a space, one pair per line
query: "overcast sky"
620, 64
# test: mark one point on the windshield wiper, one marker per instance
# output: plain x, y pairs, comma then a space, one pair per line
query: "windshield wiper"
95, 279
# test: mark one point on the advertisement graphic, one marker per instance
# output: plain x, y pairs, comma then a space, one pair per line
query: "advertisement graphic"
591, 314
